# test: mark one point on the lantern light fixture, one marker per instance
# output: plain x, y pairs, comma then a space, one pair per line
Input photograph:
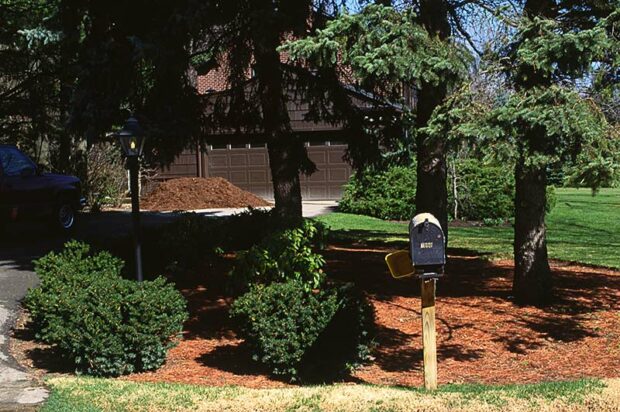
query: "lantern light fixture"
131, 138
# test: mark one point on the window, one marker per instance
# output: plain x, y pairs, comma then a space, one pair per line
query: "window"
317, 143
237, 145
219, 146
14, 162
258, 145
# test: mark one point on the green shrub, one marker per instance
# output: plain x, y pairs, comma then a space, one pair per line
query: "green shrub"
346, 342
192, 240
282, 256
485, 192
282, 320
388, 194
246, 229
289, 326
102, 323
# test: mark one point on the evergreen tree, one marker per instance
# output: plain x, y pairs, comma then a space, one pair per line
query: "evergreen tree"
389, 53
540, 119
134, 57
551, 46
28, 88
432, 184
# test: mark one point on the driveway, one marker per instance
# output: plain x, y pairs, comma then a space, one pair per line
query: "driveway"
310, 208
17, 389
20, 244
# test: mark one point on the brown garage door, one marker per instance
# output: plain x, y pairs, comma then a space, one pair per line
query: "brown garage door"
247, 166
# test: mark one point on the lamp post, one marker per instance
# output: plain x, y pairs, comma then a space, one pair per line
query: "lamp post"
131, 138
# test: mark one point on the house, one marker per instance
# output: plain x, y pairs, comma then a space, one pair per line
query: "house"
244, 161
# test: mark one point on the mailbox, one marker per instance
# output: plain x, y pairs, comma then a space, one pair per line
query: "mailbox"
427, 244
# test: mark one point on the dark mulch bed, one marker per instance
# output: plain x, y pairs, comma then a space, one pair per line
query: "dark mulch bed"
482, 335
191, 193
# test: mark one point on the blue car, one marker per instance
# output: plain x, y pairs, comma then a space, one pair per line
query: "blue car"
27, 193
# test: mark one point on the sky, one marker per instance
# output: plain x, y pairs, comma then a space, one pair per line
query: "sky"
479, 24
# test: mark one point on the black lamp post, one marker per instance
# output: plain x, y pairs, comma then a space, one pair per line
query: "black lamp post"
132, 138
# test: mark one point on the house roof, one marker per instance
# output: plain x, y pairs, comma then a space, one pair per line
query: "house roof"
298, 108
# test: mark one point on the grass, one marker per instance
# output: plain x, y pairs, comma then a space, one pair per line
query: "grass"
92, 394
586, 228
581, 228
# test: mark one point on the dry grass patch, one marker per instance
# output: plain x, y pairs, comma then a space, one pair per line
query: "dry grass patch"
90, 394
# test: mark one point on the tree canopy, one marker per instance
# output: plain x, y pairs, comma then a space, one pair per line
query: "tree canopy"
382, 50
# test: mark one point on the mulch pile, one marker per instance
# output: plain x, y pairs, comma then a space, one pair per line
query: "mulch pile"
190, 193
482, 336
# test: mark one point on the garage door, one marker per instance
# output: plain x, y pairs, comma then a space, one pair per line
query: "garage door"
247, 166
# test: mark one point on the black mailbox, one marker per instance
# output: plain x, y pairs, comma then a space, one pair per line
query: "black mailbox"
427, 244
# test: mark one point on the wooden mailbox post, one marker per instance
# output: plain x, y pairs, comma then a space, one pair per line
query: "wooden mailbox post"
428, 333
425, 259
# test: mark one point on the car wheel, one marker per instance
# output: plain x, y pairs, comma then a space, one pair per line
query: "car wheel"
64, 216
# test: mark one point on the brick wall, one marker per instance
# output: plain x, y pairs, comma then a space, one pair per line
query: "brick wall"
217, 79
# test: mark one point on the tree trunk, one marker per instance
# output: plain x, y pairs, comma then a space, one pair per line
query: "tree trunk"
532, 278
69, 22
287, 153
431, 188
285, 175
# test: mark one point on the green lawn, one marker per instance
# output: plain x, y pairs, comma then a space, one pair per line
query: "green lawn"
581, 228
91, 394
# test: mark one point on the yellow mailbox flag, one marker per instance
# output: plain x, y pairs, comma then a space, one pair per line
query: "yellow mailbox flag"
399, 264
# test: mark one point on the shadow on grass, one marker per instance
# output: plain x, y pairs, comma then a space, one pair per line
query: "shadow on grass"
368, 237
